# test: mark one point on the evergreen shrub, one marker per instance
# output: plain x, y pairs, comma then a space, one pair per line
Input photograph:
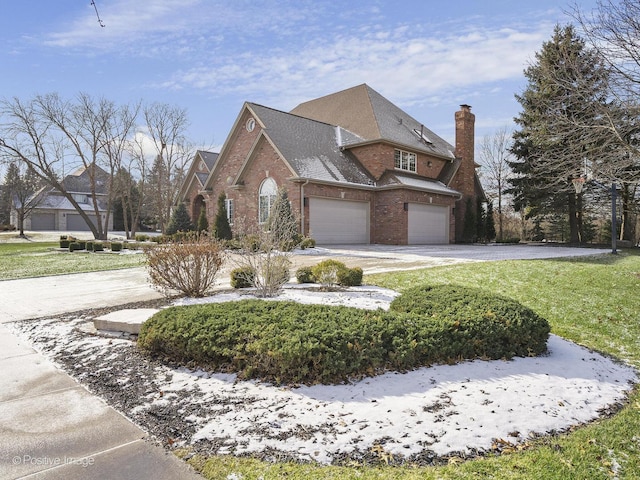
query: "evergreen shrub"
116, 246
242, 277
305, 275
292, 343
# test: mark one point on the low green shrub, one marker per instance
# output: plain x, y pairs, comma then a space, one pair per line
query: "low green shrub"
328, 272
65, 240
98, 247
350, 277
74, 246
82, 244
89, 246
242, 277
483, 325
116, 246
292, 343
305, 275
307, 242
141, 237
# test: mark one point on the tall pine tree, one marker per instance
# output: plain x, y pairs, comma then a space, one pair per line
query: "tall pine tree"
565, 83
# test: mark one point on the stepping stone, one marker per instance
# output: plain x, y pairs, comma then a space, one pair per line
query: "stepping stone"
128, 320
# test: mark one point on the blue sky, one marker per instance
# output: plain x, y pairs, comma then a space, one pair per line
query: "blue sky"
210, 56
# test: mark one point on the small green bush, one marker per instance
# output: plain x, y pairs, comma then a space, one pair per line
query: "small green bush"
305, 275
141, 237
82, 244
116, 246
307, 242
74, 246
89, 246
288, 342
328, 272
242, 277
350, 277
98, 247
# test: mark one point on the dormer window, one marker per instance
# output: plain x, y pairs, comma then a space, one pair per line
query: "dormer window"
422, 135
405, 160
80, 198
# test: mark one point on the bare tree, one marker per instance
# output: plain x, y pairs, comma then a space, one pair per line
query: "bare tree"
166, 127
25, 191
52, 136
494, 155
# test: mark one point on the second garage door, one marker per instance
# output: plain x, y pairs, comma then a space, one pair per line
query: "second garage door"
333, 221
428, 224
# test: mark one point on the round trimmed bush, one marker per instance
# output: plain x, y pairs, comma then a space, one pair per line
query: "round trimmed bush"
485, 325
288, 342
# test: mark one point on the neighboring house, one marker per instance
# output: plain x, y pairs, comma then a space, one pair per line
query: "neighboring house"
357, 169
55, 211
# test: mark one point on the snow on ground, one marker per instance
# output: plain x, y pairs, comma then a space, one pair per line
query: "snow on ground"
436, 411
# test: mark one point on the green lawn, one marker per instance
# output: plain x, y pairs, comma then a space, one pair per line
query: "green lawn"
38, 259
594, 301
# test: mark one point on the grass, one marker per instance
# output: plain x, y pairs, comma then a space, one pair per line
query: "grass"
38, 259
593, 301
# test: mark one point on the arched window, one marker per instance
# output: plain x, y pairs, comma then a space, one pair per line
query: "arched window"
266, 198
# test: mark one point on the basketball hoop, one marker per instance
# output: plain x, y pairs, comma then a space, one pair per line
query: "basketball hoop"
578, 184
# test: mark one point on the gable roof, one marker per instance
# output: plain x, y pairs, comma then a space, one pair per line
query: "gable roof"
372, 117
80, 180
319, 156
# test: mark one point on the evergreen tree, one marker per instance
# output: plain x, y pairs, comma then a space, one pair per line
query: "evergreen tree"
565, 84
470, 225
282, 223
222, 229
490, 226
203, 222
481, 225
180, 221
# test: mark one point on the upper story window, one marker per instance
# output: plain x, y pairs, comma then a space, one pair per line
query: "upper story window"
80, 198
266, 198
405, 160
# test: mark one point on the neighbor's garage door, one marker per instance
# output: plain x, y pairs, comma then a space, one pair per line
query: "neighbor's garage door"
428, 224
43, 221
76, 223
333, 221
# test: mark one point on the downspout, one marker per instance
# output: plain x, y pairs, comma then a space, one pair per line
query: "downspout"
302, 217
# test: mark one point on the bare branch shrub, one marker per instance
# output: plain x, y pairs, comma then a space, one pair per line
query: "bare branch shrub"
189, 266
266, 267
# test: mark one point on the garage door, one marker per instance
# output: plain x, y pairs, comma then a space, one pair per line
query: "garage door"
333, 221
428, 224
43, 221
76, 223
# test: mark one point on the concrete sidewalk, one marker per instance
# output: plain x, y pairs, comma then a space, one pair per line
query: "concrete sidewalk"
51, 427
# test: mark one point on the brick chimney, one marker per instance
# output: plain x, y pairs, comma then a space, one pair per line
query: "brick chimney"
464, 180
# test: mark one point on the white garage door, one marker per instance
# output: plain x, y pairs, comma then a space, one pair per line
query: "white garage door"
333, 221
428, 224
43, 221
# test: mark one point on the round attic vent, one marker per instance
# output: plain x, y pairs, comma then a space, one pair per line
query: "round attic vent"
250, 125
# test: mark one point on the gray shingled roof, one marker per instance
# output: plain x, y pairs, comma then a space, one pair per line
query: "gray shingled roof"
209, 158
364, 111
396, 179
80, 182
312, 148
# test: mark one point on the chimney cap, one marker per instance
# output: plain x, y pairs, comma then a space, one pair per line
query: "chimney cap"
466, 107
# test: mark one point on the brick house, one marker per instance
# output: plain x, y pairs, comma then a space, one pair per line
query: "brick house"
357, 169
